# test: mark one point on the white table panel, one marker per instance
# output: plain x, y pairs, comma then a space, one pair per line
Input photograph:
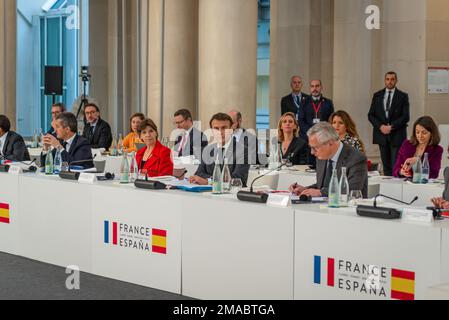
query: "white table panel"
235, 250
9, 232
341, 235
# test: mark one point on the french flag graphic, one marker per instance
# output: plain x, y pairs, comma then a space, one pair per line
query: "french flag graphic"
329, 267
110, 233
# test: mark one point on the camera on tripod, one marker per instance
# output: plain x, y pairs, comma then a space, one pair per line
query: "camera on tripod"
85, 76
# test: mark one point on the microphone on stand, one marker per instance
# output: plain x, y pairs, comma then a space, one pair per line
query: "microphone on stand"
5, 167
150, 184
251, 196
69, 175
382, 213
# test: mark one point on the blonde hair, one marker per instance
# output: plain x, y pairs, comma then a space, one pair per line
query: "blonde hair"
281, 132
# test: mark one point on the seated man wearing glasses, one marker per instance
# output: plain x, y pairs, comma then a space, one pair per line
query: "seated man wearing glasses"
333, 154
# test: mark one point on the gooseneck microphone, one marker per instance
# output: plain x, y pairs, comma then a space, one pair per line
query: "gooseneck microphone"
251, 196
382, 213
5, 167
69, 175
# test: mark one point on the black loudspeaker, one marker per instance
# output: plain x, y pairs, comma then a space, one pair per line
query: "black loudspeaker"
53, 81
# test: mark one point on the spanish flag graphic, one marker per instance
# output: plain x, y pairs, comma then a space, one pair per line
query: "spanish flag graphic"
4, 213
402, 285
159, 241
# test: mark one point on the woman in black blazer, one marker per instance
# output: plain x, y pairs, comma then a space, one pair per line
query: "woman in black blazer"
292, 147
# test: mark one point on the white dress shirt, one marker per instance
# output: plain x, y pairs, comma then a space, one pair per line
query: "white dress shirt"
2, 142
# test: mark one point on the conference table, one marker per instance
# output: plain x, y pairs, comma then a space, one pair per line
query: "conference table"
215, 247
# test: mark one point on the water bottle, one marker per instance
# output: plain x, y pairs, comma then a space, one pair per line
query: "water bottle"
113, 148
124, 170
275, 155
58, 162
417, 171
35, 139
120, 145
49, 169
344, 188
226, 177
134, 169
425, 176
217, 178
334, 192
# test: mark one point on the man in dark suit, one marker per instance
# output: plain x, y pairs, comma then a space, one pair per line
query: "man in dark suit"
97, 131
221, 124
73, 147
12, 145
56, 110
244, 139
318, 109
297, 100
191, 141
389, 115
333, 154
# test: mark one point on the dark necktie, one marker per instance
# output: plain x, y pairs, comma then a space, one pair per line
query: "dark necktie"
91, 134
64, 145
328, 176
387, 107
298, 101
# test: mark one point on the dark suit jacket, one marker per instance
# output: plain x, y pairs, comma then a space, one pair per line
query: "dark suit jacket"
102, 137
398, 119
356, 170
238, 165
288, 103
79, 150
14, 148
249, 144
308, 114
194, 146
297, 151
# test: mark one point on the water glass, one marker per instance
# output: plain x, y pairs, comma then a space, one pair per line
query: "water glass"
236, 185
355, 196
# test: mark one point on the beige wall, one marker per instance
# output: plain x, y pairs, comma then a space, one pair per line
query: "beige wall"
301, 44
8, 60
437, 55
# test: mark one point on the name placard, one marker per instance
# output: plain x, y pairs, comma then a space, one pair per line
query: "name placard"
87, 178
278, 200
417, 215
15, 170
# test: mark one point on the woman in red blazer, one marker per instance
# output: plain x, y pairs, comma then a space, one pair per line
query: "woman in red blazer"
154, 159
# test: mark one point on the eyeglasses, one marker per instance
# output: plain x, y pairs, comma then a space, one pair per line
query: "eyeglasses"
180, 122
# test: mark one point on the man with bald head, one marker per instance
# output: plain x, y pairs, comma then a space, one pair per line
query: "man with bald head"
318, 109
242, 138
295, 101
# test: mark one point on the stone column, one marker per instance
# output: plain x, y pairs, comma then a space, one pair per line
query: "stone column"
8, 36
227, 58
180, 60
301, 44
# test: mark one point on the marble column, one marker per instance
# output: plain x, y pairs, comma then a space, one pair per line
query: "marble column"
227, 58
8, 34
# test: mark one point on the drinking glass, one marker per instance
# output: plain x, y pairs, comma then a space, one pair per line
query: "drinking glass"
236, 185
354, 197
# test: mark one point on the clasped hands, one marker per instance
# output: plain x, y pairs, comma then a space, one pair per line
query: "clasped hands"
50, 141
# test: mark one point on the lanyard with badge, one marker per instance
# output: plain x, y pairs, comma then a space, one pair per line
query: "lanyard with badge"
317, 110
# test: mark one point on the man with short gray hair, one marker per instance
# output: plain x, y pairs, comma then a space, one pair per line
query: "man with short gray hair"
331, 154
73, 147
